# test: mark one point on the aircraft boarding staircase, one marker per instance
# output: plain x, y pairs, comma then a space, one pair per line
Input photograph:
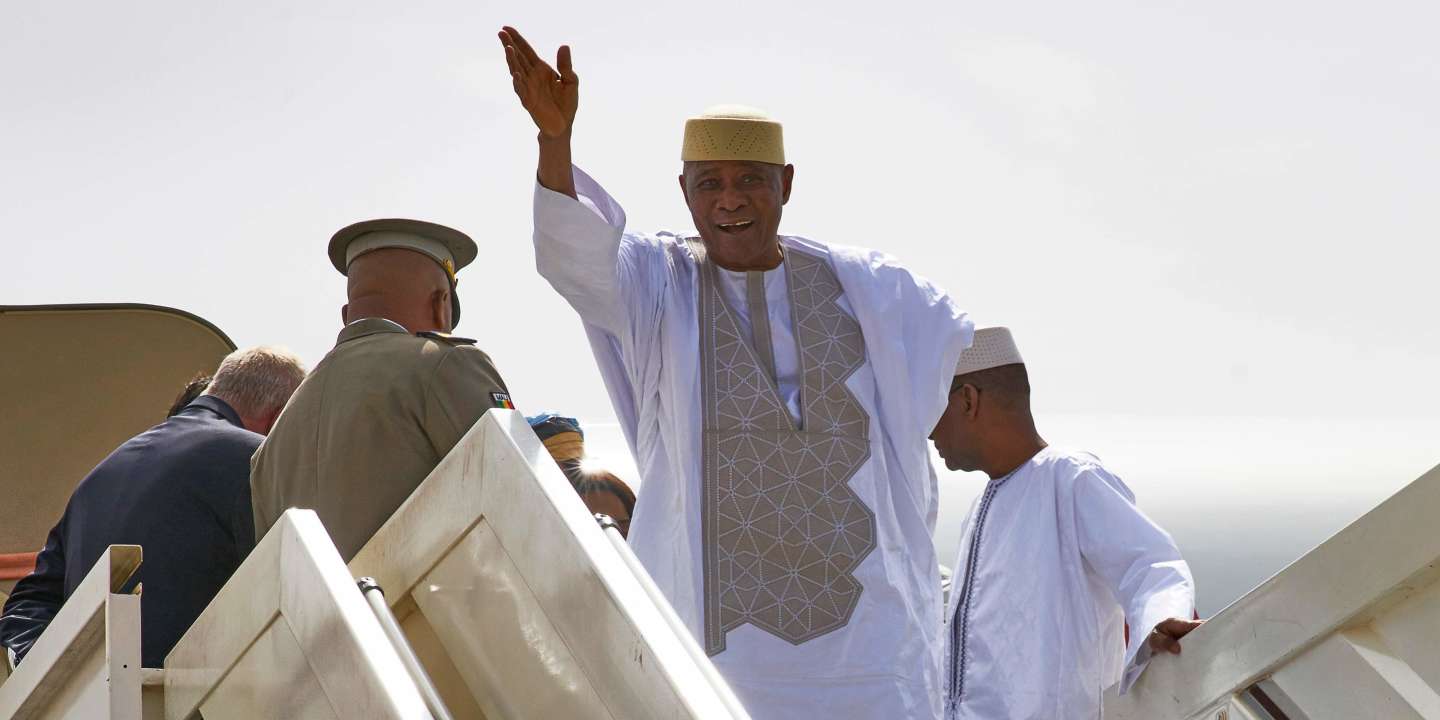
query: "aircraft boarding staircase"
491, 593
1350, 631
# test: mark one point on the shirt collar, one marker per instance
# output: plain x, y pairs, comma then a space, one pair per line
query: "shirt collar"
217, 406
369, 326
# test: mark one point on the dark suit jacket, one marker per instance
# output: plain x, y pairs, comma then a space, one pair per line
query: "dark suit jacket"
181, 490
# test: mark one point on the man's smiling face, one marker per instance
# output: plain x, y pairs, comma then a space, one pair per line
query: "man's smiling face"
736, 206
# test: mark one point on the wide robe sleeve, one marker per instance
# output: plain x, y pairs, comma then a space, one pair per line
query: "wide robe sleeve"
935, 332
36, 598
614, 280
914, 334
1135, 558
582, 250
914, 330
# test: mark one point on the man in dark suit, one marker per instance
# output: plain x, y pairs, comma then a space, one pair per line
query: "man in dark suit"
181, 490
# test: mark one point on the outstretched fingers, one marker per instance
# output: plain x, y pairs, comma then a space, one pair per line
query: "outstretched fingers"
522, 61
567, 67
512, 60
523, 46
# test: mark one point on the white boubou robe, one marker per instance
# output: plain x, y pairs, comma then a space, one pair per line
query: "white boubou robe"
1055, 559
640, 299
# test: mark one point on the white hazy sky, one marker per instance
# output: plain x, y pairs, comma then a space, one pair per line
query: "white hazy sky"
1212, 225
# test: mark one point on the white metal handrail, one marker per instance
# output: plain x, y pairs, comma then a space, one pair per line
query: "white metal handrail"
672, 619
289, 635
88, 658
1351, 629
518, 598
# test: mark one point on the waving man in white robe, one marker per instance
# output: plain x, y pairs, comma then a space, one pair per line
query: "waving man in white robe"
1055, 560
777, 393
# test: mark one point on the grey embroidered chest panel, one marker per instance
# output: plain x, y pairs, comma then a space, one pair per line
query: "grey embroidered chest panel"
783, 530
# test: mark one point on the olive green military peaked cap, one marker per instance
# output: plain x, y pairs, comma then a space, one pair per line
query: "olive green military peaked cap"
448, 247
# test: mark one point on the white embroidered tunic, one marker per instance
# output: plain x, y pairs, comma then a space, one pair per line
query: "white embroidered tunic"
1055, 559
787, 499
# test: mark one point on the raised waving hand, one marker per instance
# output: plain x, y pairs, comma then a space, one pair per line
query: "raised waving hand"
550, 97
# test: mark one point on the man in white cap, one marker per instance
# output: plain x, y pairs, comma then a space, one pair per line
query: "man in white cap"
777, 393
1062, 586
394, 395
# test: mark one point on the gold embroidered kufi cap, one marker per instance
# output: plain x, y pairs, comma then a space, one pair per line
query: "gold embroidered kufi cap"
733, 132
992, 347
448, 247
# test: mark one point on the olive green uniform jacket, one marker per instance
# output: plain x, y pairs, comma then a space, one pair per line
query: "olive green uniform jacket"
368, 425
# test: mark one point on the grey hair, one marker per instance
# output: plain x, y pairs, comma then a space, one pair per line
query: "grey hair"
257, 380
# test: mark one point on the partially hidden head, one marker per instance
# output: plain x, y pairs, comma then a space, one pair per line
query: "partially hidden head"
402, 270
736, 183
600, 490
191, 391
989, 403
257, 382
561, 435
603, 493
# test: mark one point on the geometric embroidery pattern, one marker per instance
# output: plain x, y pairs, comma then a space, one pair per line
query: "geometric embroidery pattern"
783, 530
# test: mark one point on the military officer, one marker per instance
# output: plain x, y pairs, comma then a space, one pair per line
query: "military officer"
394, 395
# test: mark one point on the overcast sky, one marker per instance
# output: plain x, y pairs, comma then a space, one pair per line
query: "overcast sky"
1211, 225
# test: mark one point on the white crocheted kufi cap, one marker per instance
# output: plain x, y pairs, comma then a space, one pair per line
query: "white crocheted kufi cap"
993, 347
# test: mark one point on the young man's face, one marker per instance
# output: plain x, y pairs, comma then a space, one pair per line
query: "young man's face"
954, 436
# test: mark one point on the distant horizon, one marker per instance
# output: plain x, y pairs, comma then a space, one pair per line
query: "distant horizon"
1234, 538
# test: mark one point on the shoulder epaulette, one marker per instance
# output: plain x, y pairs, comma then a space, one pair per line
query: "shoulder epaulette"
446, 337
